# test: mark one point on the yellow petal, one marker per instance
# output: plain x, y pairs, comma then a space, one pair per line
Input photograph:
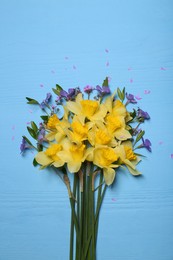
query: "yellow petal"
122, 134
133, 171
109, 175
58, 163
50, 136
73, 166
43, 159
74, 107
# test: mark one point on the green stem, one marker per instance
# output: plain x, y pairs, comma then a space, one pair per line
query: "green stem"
72, 223
96, 218
98, 203
77, 213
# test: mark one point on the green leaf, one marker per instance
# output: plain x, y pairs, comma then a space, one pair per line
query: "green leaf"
139, 136
32, 132
133, 114
45, 118
40, 147
27, 140
56, 91
105, 82
123, 94
35, 163
34, 127
32, 101
120, 94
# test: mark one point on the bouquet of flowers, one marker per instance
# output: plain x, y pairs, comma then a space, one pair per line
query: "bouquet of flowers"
91, 141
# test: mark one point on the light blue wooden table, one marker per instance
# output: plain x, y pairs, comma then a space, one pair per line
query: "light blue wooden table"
75, 43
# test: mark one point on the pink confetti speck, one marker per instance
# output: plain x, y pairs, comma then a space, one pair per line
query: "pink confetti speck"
107, 63
147, 91
66, 58
13, 138
131, 80
30, 111
52, 71
74, 67
106, 50
171, 155
138, 97
41, 85
160, 142
113, 199
28, 123
13, 127
162, 68
129, 68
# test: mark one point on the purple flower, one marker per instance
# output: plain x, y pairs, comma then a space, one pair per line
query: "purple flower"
24, 145
68, 95
141, 115
130, 98
103, 90
146, 144
88, 89
46, 101
41, 134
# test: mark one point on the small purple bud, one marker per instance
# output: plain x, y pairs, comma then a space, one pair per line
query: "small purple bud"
88, 89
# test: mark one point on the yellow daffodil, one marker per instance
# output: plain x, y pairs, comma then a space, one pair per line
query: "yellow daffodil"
78, 132
90, 109
57, 128
128, 157
50, 156
99, 135
105, 158
116, 126
73, 155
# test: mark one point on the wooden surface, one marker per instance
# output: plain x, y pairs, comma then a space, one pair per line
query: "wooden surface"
75, 43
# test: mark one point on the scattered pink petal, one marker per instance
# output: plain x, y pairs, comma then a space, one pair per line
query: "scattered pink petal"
30, 111
106, 50
113, 199
131, 80
41, 85
66, 58
171, 155
147, 91
13, 127
28, 123
107, 63
74, 67
160, 142
138, 97
162, 68
109, 79
129, 68
52, 71
13, 138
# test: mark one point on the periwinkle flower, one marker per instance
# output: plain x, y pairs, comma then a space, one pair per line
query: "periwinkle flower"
24, 145
104, 90
146, 144
131, 98
41, 134
46, 101
142, 115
